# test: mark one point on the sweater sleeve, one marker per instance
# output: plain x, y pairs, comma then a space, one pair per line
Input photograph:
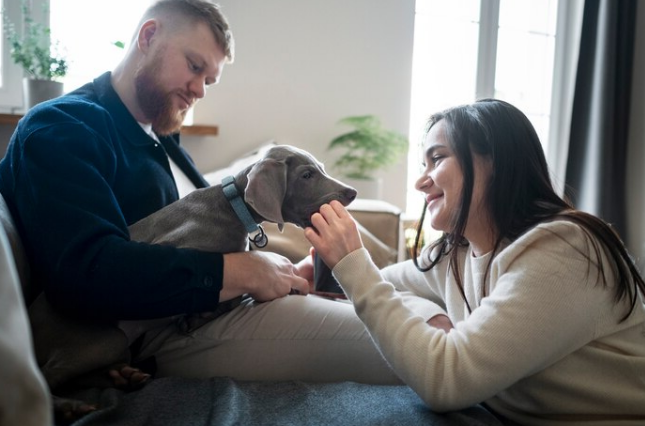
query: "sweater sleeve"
421, 292
545, 303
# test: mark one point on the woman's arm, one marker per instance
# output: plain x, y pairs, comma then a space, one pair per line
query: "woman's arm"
542, 306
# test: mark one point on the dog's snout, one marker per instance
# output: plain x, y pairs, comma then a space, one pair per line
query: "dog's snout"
349, 194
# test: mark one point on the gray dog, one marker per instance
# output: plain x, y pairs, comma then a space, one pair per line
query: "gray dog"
286, 185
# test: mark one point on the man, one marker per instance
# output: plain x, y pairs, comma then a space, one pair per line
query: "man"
81, 168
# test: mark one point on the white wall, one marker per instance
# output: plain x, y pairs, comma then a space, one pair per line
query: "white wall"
300, 66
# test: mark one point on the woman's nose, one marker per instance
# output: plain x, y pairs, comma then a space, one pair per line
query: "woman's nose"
423, 182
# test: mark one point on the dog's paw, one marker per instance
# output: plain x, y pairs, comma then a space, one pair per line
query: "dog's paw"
129, 378
67, 410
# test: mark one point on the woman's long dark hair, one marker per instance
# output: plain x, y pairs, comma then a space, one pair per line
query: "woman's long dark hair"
520, 194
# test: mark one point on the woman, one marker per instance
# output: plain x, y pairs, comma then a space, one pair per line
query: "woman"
539, 308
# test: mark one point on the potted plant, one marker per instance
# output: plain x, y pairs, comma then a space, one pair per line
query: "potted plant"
33, 50
368, 148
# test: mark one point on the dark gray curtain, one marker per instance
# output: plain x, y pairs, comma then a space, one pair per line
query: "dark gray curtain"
597, 160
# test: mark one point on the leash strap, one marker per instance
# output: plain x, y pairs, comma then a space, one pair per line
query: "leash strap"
233, 197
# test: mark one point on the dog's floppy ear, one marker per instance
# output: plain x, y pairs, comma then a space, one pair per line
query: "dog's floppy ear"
266, 188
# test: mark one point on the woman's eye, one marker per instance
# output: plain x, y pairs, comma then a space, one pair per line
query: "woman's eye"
436, 159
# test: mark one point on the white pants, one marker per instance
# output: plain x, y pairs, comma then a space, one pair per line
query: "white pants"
306, 338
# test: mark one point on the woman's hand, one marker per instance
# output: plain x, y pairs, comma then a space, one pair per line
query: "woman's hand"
442, 322
305, 269
334, 233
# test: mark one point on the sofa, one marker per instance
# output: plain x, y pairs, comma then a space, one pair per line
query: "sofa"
217, 401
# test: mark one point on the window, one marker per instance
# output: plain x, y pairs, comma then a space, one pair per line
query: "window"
470, 49
10, 73
90, 42
92, 55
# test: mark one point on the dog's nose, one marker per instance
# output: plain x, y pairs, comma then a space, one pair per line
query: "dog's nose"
349, 194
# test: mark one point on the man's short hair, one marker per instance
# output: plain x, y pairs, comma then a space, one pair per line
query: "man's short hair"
198, 11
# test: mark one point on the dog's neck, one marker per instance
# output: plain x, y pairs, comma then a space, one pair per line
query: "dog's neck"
241, 180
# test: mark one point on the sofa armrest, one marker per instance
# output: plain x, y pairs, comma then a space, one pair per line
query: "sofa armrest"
379, 224
383, 220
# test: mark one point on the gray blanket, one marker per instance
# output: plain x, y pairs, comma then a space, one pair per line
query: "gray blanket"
223, 402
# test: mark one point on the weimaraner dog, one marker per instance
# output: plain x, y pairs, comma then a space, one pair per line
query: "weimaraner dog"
286, 185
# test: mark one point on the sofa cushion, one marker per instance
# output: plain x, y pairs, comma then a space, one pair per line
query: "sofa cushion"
24, 398
292, 244
29, 291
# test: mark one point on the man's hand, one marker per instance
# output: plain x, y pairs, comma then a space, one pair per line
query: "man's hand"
262, 275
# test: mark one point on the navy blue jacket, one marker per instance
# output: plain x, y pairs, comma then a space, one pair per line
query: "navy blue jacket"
78, 170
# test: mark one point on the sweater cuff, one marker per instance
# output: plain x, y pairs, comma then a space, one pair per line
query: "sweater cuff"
357, 274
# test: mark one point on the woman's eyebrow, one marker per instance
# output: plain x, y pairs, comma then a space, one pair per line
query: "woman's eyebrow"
432, 148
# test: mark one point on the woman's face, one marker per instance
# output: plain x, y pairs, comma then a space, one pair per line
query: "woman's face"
442, 182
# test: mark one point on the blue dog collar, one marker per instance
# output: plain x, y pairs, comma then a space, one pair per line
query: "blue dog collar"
230, 191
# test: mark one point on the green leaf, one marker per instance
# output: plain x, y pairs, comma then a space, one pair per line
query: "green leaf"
368, 148
33, 49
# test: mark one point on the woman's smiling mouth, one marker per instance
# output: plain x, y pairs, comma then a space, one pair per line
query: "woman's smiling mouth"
430, 198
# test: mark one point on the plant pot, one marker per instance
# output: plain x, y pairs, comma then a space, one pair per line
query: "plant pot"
37, 91
367, 188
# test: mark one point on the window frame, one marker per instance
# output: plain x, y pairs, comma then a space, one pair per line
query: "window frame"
487, 49
565, 64
11, 86
11, 99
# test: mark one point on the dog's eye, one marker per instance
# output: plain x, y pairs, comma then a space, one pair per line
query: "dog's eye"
308, 174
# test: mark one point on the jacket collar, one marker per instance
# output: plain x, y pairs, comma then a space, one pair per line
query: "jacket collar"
132, 132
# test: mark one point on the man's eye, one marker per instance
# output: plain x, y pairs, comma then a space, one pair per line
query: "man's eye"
193, 66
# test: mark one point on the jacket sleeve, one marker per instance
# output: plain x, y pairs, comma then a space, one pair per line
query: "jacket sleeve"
74, 192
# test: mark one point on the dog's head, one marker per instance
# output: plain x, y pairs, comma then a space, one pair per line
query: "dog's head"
289, 185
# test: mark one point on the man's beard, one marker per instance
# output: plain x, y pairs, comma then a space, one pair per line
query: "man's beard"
155, 102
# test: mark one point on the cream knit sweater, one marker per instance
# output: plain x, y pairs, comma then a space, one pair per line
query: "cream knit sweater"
544, 347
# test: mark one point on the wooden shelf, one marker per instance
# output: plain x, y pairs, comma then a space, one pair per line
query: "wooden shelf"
192, 130
11, 119
199, 130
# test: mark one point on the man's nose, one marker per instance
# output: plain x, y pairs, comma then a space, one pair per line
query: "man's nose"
197, 87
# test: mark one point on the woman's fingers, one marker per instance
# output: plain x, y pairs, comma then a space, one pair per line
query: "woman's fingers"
339, 209
333, 233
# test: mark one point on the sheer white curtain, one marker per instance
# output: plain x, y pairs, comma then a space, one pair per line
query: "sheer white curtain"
564, 75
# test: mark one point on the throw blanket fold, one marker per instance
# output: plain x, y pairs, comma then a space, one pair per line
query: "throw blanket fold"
224, 402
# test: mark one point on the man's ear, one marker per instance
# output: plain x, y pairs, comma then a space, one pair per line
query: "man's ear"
146, 33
